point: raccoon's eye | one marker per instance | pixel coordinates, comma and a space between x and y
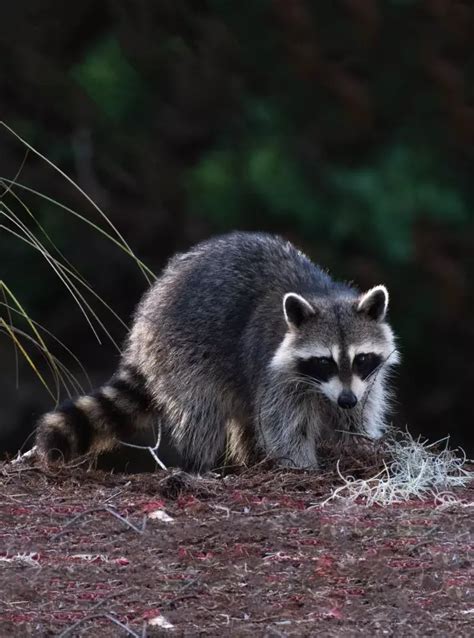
365, 363
319, 368
324, 361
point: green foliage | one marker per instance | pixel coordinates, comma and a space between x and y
374, 205
109, 79
278, 182
379, 204
215, 188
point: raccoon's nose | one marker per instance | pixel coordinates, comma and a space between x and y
347, 400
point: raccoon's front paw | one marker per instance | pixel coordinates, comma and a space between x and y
54, 442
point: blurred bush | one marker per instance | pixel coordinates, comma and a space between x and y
375, 205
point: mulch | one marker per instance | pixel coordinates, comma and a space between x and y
253, 553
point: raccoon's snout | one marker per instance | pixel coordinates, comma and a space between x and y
347, 400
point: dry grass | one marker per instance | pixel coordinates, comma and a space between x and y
31, 340
411, 469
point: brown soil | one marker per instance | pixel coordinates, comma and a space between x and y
245, 555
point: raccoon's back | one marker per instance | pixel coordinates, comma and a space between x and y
202, 304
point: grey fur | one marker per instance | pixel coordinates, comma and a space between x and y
202, 359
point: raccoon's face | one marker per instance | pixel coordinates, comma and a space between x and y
339, 345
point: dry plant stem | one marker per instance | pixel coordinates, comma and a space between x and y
20, 458
12, 211
17, 175
152, 450
84, 194
109, 616
91, 616
101, 508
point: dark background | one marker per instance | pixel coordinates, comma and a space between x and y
346, 126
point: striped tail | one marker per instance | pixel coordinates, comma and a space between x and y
96, 422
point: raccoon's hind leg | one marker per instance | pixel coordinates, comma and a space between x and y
197, 428
95, 422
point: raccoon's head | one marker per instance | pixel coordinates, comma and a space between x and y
341, 344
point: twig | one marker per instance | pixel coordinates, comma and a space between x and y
152, 450
117, 492
120, 624
148, 448
101, 508
23, 457
107, 615
124, 520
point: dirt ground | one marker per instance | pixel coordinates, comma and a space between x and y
88, 553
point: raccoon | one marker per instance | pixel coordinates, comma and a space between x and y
242, 347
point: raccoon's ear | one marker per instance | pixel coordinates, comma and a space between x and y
296, 309
374, 303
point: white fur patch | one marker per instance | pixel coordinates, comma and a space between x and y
358, 386
54, 419
332, 388
374, 421
368, 347
336, 353
111, 393
119, 399
286, 352
90, 407
313, 351
392, 355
